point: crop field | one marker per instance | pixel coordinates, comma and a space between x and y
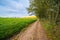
11, 26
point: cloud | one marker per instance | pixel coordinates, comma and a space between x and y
13, 8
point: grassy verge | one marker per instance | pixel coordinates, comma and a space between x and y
11, 26
50, 29
58, 31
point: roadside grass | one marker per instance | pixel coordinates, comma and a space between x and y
58, 30
11, 26
50, 29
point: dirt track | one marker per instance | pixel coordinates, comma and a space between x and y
33, 32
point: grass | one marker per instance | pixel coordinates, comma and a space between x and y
50, 29
53, 30
58, 30
11, 26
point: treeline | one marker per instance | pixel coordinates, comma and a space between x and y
47, 10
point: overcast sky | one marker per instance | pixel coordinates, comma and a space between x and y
13, 8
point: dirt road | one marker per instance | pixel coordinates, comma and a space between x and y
33, 32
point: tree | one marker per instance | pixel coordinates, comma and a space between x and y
47, 9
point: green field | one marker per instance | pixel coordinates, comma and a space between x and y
11, 26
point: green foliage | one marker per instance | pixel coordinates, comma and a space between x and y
11, 26
47, 10
49, 27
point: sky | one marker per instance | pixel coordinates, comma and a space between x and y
13, 8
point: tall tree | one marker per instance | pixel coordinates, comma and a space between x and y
45, 9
